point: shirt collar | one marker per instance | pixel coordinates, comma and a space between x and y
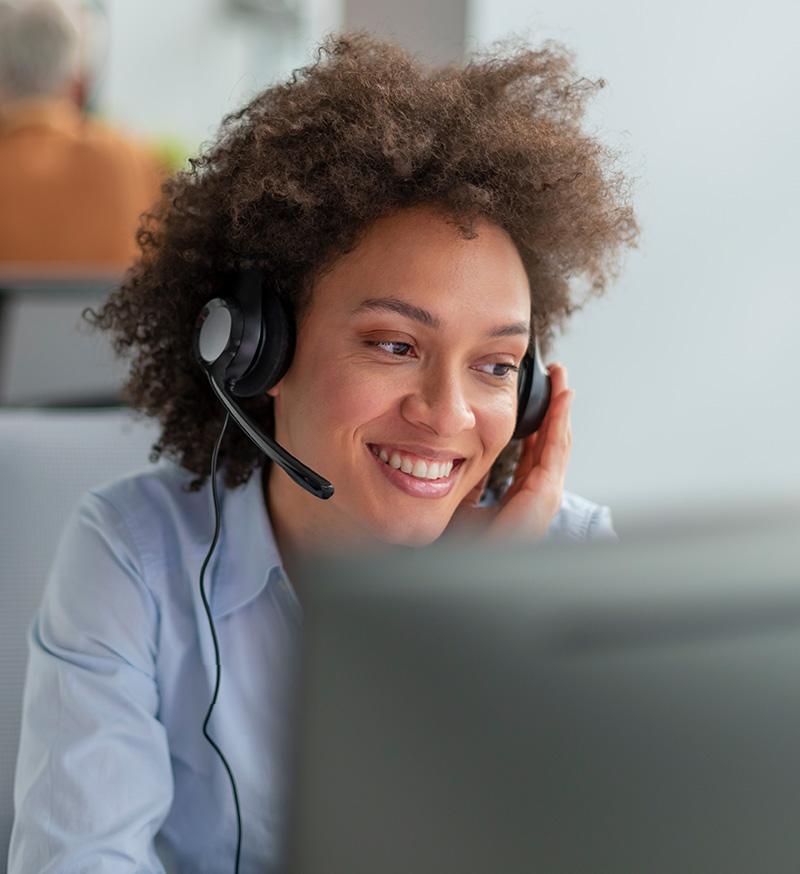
247, 553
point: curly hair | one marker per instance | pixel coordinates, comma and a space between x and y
296, 176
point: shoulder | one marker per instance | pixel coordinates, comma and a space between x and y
99, 135
152, 508
120, 567
169, 529
580, 519
106, 584
113, 156
143, 494
133, 527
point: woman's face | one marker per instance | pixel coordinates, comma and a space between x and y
404, 349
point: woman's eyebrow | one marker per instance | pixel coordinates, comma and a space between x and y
424, 317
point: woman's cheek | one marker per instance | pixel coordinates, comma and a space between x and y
354, 399
496, 421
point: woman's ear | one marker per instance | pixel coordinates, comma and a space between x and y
276, 389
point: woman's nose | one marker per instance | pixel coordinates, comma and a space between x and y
440, 403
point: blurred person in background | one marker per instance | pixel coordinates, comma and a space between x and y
71, 188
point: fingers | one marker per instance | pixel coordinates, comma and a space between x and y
558, 378
539, 475
535, 444
558, 442
558, 385
550, 446
552, 428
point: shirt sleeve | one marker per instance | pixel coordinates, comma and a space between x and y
93, 781
600, 525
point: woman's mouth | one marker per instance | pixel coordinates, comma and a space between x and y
417, 486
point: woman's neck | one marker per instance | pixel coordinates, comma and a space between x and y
302, 523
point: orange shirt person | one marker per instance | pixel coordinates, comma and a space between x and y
71, 188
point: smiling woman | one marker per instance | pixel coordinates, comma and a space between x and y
398, 349
301, 173
412, 232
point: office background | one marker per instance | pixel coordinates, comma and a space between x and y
685, 372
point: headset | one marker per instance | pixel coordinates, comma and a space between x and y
245, 344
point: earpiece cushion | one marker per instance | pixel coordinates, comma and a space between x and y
534, 395
275, 348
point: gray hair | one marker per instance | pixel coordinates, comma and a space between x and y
38, 49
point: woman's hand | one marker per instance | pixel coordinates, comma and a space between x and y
534, 497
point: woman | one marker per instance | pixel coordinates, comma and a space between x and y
420, 226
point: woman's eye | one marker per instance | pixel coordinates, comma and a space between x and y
388, 345
509, 368
501, 372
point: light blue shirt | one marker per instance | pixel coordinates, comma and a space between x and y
114, 774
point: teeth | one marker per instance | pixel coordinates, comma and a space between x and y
420, 469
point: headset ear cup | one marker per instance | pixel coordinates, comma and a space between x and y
533, 395
217, 334
275, 350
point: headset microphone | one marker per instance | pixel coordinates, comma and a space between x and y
302, 475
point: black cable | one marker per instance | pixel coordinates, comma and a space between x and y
216, 644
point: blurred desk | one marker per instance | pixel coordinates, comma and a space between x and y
27, 278
20, 281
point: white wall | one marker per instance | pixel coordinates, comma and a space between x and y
434, 31
686, 373
176, 68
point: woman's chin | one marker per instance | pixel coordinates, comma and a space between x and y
415, 534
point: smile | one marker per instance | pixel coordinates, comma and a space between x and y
417, 486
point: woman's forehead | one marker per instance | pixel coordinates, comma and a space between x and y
432, 306
417, 259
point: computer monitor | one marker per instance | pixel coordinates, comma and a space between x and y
629, 708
